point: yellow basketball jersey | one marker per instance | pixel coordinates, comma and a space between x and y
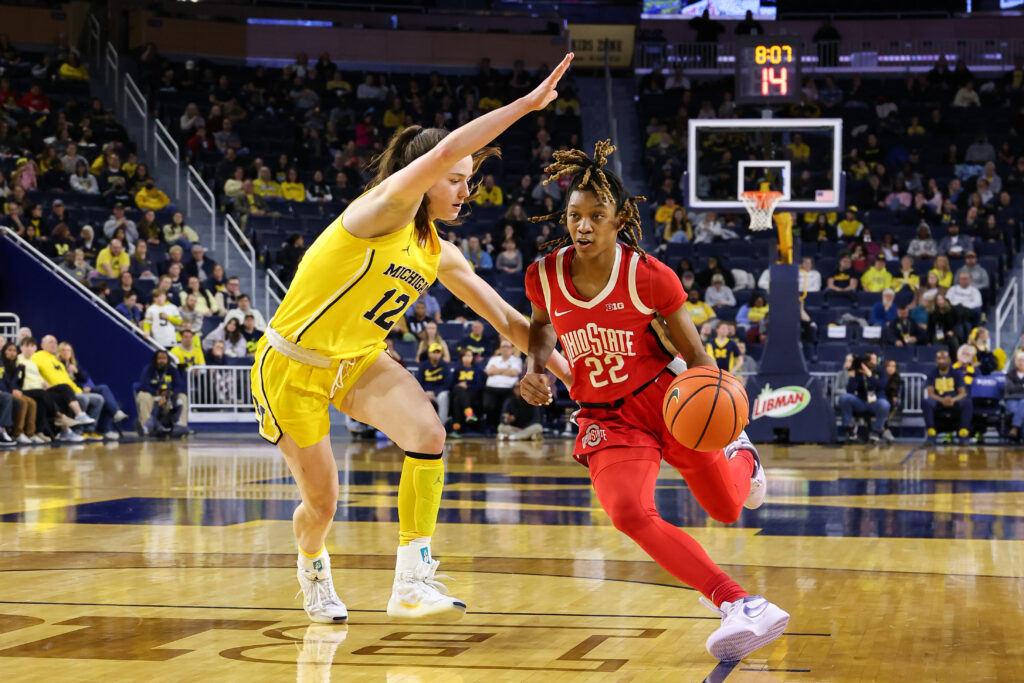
348, 292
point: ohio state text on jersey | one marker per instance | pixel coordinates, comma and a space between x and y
607, 340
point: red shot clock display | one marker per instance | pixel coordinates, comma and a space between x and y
767, 70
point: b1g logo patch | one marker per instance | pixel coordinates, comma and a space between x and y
593, 435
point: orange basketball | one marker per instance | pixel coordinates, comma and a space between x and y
705, 408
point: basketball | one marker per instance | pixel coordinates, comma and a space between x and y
705, 408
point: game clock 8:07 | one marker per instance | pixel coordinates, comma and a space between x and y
767, 71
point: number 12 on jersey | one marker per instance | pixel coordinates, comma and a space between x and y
386, 319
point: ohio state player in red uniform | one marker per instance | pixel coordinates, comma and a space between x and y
599, 297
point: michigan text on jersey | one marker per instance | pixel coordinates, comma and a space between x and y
407, 275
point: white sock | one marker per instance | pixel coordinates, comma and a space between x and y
417, 552
320, 563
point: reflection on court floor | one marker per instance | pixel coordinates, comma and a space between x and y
174, 560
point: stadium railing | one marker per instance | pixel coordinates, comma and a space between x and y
134, 104
97, 301
613, 123
1008, 308
196, 186
10, 323
273, 290
236, 238
911, 390
164, 152
219, 393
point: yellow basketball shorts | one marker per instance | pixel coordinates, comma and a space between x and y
293, 398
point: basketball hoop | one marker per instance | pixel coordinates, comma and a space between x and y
760, 205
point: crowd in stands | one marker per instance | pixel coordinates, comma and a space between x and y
909, 268
72, 186
287, 149
46, 395
911, 264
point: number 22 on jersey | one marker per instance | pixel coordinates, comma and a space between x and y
613, 363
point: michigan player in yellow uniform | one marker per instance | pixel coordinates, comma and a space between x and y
324, 347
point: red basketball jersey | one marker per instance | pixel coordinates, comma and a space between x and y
607, 340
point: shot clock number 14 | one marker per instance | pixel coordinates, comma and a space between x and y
767, 71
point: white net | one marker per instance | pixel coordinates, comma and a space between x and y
761, 206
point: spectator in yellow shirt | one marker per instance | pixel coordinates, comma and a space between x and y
567, 104
489, 101
876, 278
149, 197
660, 137
942, 271
73, 69
113, 259
699, 310
265, 185
188, 353
489, 194
292, 188
849, 227
799, 149
55, 373
394, 116
50, 367
907, 276
915, 127
663, 214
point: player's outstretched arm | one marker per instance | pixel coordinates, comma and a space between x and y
535, 388
393, 203
686, 339
456, 274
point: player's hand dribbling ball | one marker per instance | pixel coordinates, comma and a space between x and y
705, 408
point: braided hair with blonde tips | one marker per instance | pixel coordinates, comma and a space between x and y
588, 174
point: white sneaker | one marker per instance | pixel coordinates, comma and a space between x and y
416, 594
39, 438
747, 624
83, 419
888, 435
112, 436
71, 436
758, 480
120, 415
320, 601
23, 440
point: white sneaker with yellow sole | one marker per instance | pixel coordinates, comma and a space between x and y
416, 593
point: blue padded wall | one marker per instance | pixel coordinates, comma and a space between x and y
49, 305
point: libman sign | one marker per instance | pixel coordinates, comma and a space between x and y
781, 402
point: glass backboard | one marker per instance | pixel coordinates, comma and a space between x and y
799, 157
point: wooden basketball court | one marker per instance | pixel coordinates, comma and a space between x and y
175, 561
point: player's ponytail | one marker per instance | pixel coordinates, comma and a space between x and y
407, 146
589, 174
